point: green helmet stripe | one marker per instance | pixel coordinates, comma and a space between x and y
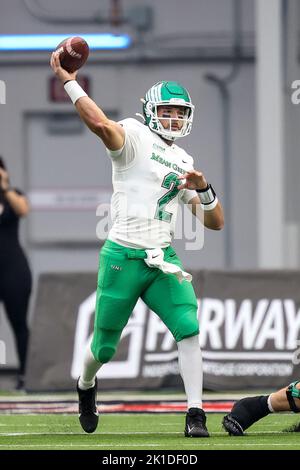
154, 94
159, 91
148, 96
155, 90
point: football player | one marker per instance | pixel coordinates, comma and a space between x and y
151, 175
247, 411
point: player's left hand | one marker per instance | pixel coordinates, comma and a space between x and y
193, 180
4, 180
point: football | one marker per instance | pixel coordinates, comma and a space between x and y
73, 53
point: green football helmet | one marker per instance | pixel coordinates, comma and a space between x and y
168, 94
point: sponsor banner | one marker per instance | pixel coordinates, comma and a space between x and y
249, 323
250, 328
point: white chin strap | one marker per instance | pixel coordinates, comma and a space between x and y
168, 137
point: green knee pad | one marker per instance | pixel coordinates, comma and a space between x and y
187, 325
104, 344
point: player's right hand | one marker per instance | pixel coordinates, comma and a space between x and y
61, 73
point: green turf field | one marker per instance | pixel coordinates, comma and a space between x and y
148, 432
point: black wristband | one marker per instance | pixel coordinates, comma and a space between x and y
204, 189
207, 195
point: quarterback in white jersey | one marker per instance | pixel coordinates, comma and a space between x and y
151, 174
145, 199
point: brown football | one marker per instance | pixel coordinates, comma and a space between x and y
73, 53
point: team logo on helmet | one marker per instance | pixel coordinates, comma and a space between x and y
168, 94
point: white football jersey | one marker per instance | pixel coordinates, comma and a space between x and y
145, 200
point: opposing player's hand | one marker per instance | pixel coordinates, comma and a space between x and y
4, 180
61, 73
193, 180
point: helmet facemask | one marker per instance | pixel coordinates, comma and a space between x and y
168, 133
176, 96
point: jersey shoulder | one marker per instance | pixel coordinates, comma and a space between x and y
132, 124
184, 155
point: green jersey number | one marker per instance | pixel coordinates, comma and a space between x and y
170, 182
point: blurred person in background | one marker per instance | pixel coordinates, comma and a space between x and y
15, 275
152, 175
248, 411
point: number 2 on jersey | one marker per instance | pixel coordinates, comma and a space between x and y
170, 182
